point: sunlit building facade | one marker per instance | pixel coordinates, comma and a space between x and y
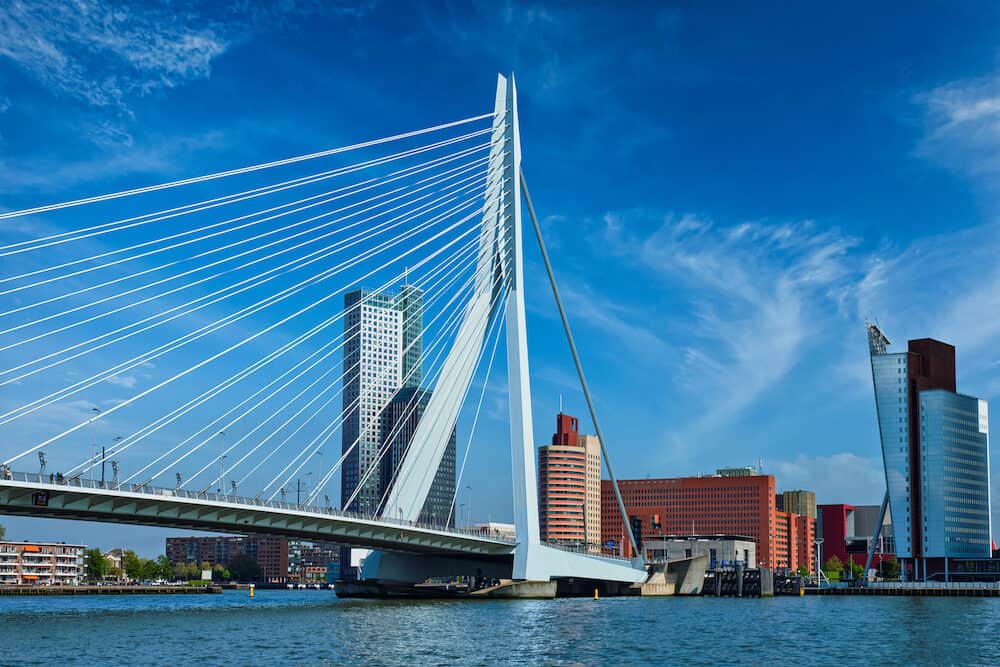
935, 449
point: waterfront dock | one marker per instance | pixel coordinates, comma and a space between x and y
962, 589
108, 590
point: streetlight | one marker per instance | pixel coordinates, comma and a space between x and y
222, 460
93, 447
104, 456
819, 561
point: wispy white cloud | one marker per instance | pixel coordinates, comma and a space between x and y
103, 54
756, 293
963, 125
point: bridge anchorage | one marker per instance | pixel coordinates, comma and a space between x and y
212, 345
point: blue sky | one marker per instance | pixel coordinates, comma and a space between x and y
727, 191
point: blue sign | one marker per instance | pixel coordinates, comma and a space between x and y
610, 544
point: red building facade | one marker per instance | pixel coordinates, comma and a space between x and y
742, 505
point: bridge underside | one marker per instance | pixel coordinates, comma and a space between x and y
107, 506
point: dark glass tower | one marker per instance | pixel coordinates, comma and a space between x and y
398, 424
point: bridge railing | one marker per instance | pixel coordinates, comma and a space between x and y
164, 492
583, 549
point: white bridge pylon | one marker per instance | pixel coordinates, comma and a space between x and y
500, 267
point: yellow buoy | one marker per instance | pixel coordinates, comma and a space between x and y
596, 597
251, 590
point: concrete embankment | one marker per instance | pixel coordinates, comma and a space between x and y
107, 590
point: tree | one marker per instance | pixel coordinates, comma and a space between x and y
833, 567
165, 569
244, 568
192, 571
132, 564
803, 570
96, 564
857, 570
149, 569
890, 568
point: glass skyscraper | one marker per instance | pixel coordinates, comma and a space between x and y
935, 448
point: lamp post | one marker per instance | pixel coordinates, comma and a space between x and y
222, 460
819, 561
93, 447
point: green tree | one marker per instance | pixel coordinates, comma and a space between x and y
803, 570
132, 564
148, 569
833, 567
165, 569
857, 569
192, 571
244, 568
890, 568
96, 565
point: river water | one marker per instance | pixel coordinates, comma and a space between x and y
315, 628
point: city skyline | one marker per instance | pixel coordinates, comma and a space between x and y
704, 250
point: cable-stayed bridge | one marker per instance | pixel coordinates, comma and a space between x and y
336, 325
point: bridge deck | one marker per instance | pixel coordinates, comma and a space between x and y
28, 494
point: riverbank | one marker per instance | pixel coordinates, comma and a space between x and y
7, 591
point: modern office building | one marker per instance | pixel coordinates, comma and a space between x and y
569, 473
270, 553
935, 449
399, 422
41, 563
742, 504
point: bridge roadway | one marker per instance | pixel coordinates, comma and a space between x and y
31, 494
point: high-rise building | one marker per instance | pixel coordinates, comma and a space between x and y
382, 347
569, 473
399, 422
741, 504
935, 449
592, 516
798, 502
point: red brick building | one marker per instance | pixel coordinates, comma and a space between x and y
735, 505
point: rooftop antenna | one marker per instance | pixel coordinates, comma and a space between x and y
560, 403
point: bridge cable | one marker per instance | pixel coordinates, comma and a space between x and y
234, 172
579, 367
231, 423
315, 200
237, 345
449, 326
131, 304
245, 312
255, 281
